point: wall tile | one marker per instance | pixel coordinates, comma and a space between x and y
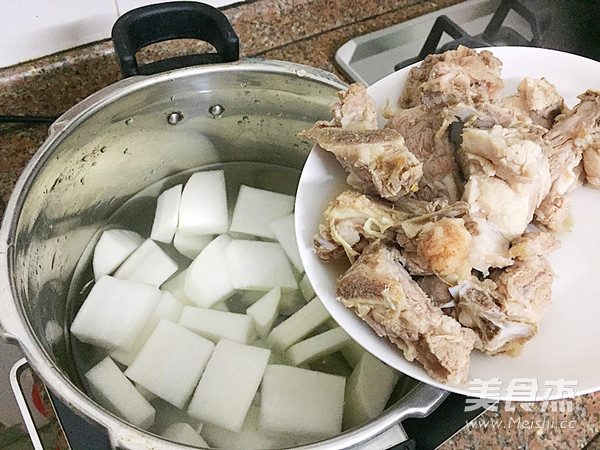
30, 29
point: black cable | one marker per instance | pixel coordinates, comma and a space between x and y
27, 119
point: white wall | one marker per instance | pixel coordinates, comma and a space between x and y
30, 29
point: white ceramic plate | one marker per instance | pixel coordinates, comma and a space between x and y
567, 344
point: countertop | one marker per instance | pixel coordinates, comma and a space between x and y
303, 31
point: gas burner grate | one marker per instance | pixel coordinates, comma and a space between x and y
495, 33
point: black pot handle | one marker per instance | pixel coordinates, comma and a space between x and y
160, 22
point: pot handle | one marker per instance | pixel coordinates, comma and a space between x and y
160, 22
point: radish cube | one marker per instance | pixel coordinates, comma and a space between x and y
264, 311
298, 325
215, 325
147, 264
191, 245
114, 312
307, 290
251, 436
248, 298
145, 392
229, 383
302, 402
220, 306
366, 399
166, 216
113, 247
203, 208
207, 280
317, 346
259, 266
171, 362
285, 233
183, 433
291, 302
168, 308
116, 393
353, 352
255, 209
175, 287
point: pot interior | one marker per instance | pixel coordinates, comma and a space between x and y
132, 141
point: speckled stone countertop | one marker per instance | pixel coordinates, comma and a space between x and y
303, 31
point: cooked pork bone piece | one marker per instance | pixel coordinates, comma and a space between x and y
382, 293
574, 136
377, 160
588, 136
356, 109
460, 75
505, 309
508, 176
352, 221
419, 127
434, 238
531, 244
537, 99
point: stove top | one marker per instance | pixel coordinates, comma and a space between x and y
567, 25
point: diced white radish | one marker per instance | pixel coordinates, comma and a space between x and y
145, 392
352, 352
264, 311
255, 209
171, 362
166, 216
220, 306
191, 245
207, 279
317, 346
307, 290
249, 297
302, 402
228, 385
291, 302
147, 264
285, 232
175, 285
215, 325
298, 325
365, 398
113, 247
203, 208
259, 266
168, 308
116, 393
183, 433
249, 437
114, 312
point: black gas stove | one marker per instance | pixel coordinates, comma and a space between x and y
566, 25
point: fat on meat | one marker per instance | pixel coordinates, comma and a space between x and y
507, 178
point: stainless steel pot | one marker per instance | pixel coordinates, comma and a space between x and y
117, 142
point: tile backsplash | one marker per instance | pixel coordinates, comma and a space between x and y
31, 29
